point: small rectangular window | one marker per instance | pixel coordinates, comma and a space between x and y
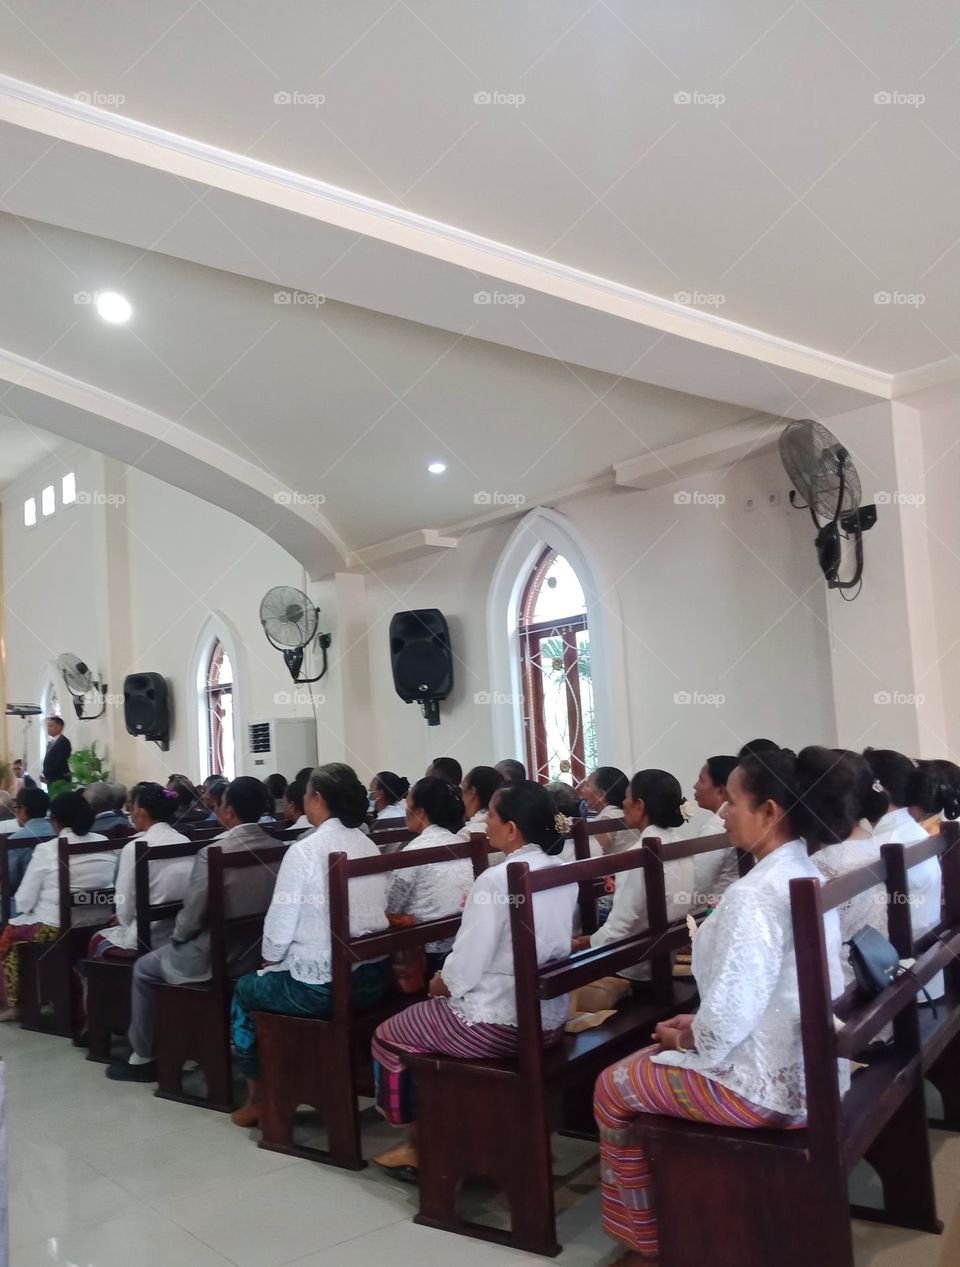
30, 512
48, 500
68, 489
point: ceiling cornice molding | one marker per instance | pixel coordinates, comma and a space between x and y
119, 428
52, 114
711, 451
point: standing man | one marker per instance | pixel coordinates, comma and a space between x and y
56, 762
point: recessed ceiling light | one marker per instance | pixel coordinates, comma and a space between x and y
437, 468
113, 307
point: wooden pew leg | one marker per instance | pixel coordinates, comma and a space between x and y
901, 1157
304, 1061
802, 1219
945, 1076
503, 1144
192, 1026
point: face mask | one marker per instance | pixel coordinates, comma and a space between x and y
370, 801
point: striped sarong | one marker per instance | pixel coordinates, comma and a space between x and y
637, 1085
13, 936
433, 1026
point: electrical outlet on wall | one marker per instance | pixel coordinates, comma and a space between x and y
774, 499
749, 503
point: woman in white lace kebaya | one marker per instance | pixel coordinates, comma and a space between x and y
739, 1060
297, 971
859, 850
472, 1011
907, 783
434, 815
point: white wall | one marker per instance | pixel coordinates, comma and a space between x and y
714, 600
710, 602
128, 582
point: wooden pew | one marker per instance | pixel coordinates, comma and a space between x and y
193, 1021
690, 847
326, 1063
939, 1026
391, 839
109, 979
47, 969
759, 1197
490, 1119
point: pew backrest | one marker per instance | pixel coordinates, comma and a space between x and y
824, 1041
224, 881
144, 857
348, 950
535, 983
97, 900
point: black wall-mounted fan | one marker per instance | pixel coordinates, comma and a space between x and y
822, 472
80, 682
291, 622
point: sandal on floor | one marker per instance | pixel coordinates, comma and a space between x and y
400, 1162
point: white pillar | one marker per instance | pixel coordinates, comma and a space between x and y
886, 678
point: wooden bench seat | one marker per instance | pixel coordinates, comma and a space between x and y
781, 1196
193, 1021
50, 989
504, 1109
326, 1063
940, 1025
108, 979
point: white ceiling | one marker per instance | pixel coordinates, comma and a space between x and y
730, 248
797, 199
333, 401
21, 447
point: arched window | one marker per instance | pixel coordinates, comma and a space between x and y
217, 709
555, 666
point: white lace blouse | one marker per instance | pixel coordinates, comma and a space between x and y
926, 881
747, 1031
479, 970
296, 931
434, 891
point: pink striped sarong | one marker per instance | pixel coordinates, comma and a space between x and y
433, 1026
637, 1085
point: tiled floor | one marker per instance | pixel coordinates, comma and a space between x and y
105, 1175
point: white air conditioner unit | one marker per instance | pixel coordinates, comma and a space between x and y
282, 746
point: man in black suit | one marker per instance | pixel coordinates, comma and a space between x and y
56, 760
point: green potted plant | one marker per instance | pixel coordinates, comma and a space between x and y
86, 766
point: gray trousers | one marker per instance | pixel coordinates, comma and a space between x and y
147, 972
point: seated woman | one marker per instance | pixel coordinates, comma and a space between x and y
298, 969
904, 783
293, 815
191, 811
478, 786
714, 872
153, 809
652, 807
38, 897
388, 799
604, 792
943, 802
739, 1060
472, 1011
434, 815
860, 849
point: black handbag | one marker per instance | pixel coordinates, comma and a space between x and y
876, 964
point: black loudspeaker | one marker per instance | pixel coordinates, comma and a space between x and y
422, 660
145, 708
